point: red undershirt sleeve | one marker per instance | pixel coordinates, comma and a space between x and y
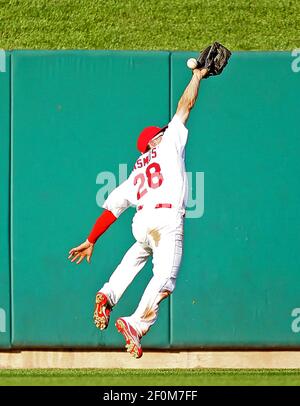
103, 222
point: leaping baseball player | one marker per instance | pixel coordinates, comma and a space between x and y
157, 187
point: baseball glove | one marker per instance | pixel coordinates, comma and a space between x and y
214, 58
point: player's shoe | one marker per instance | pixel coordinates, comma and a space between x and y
102, 311
132, 338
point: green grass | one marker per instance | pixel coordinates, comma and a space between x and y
158, 377
151, 24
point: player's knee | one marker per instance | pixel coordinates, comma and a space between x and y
167, 284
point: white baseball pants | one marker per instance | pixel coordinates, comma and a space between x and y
158, 232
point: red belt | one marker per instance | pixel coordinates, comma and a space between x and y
158, 206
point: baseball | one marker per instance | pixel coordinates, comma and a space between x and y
192, 63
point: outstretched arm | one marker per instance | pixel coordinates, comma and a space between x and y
114, 206
189, 97
85, 249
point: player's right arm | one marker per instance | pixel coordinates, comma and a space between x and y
189, 96
177, 133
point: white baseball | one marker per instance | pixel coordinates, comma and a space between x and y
192, 63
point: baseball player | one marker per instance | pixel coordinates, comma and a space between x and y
157, 187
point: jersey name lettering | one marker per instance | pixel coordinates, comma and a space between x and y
146, 159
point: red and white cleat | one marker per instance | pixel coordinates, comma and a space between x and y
132, 338
102, 311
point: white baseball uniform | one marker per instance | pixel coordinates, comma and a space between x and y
157, 187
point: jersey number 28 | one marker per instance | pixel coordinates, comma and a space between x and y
154, 179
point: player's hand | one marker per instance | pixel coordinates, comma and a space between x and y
200, 72
84, 250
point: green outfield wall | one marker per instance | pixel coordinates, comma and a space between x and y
240, 281
69, 123
5, 104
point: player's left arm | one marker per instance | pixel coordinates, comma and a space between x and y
85, 250
189, 96
116, 203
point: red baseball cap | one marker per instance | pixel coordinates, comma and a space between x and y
146, 135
